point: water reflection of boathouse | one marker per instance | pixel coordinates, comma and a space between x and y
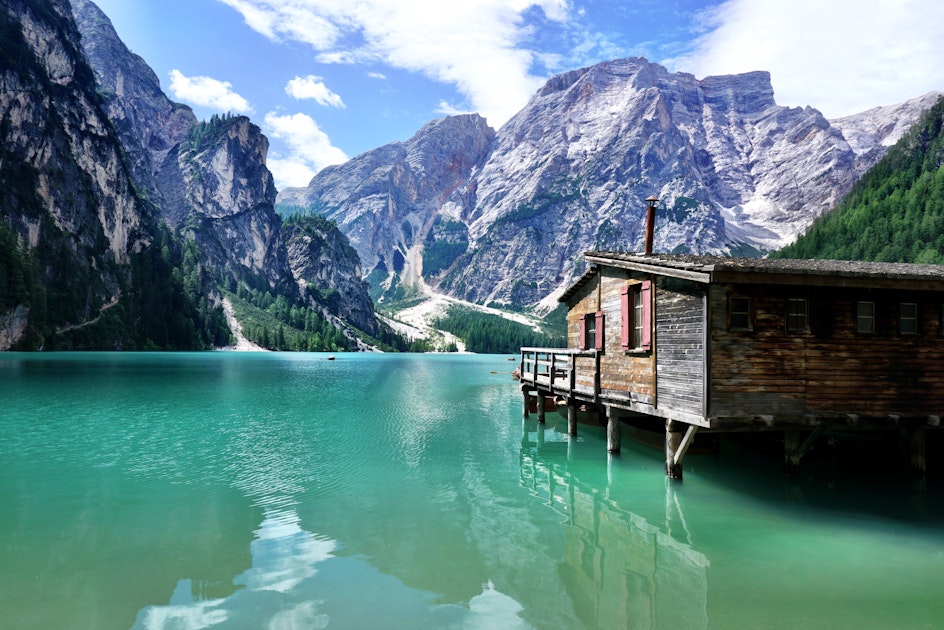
619, 567
682, 344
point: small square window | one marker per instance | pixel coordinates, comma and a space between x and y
908, 318
797, 315
739, 313
865, 317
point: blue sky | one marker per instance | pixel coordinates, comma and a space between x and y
329, 79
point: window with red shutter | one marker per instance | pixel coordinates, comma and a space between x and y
645, 341
636, 311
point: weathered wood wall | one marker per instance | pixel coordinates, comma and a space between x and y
830, 368
621, 372
680, 322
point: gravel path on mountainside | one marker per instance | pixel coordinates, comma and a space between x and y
242, 344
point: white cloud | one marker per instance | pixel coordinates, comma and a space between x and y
309, 149
293, 20
376, 75
841, 56
490, 64
449, 109
208, 92
314, 88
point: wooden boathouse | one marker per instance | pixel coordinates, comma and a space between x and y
711, 344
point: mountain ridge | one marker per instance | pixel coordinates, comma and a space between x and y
736, 174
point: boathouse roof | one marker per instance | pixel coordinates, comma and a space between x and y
711, 269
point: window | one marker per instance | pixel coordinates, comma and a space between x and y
797, 315
739, 312
637, 316
908, 318
865, 317
591, 331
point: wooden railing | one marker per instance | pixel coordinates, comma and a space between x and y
557, 370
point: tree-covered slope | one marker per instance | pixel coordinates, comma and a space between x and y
895, 213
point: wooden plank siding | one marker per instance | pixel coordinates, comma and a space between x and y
829, 368
680, 322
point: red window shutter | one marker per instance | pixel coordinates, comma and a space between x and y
626, 321
599, 330
582, 333
647, 315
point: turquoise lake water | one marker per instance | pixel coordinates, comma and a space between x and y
279, 491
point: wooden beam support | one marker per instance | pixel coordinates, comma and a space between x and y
525, 407
794, 450
540, 398
686, 442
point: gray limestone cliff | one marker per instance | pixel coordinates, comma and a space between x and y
217, 189
65, 192
328, 271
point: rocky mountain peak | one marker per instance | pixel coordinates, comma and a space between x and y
150, 125
746, 94
387, 199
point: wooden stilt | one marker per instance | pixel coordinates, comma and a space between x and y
791, 450
674, 432
918, 451
540, 399
571, 416
612, 430
525, 411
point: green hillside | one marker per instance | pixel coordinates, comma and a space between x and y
895, 213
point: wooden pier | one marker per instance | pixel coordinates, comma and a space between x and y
711, 345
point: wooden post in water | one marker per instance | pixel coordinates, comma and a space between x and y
525, 412
918, 450
571, 417
612, 430
540, 398
674, 432
791, 451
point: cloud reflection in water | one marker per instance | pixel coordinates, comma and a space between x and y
297, 581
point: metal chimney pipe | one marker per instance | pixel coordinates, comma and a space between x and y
651, 204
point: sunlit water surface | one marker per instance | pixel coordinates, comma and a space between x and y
404, 491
